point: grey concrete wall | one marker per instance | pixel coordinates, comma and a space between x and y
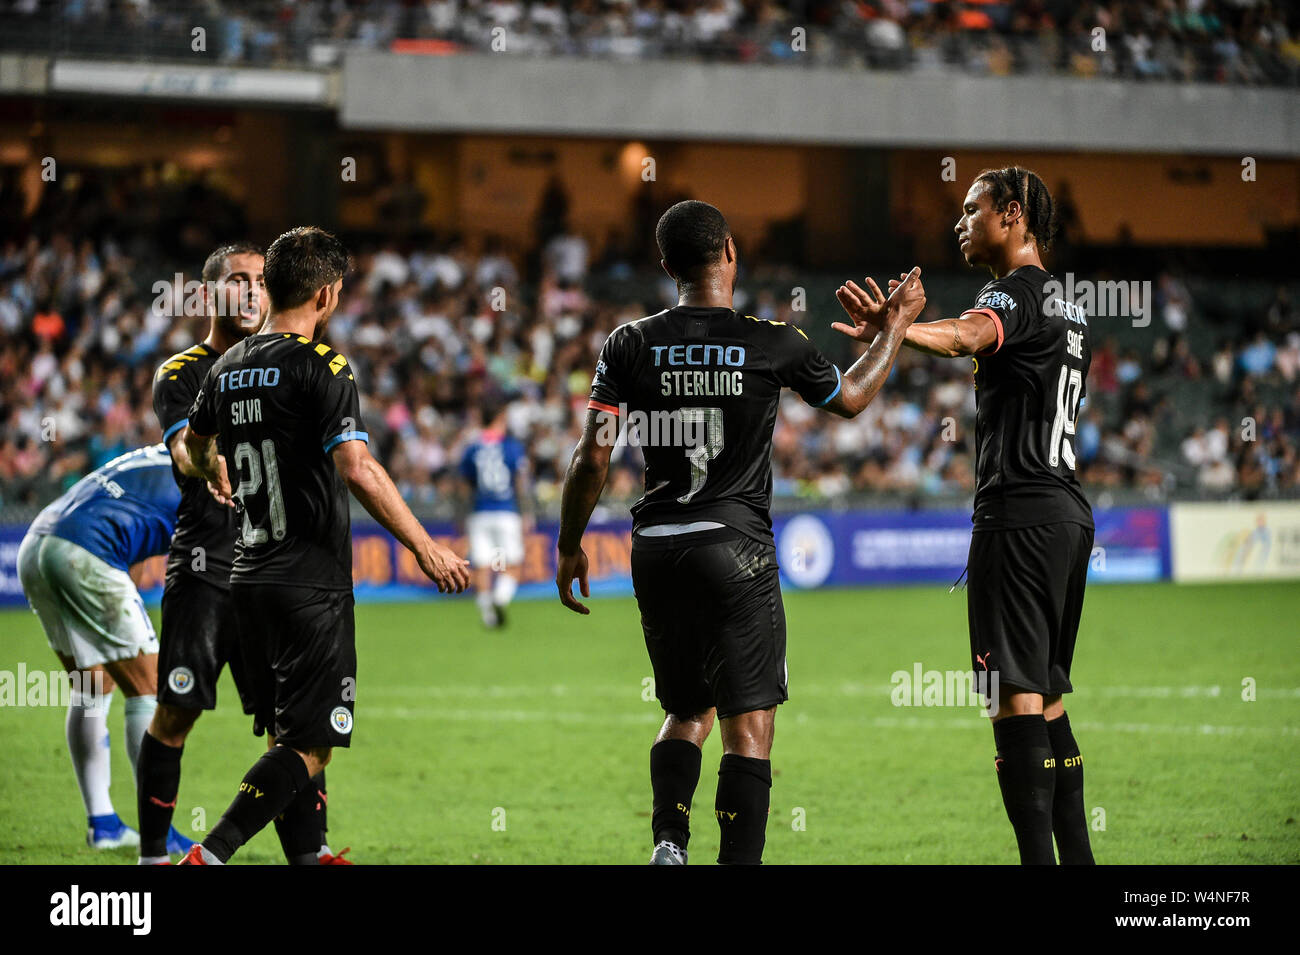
504, 93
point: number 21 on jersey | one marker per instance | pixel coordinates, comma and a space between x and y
259, 464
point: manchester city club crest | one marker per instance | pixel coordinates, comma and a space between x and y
181, 680
341, 720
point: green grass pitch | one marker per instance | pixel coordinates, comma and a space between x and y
530, 745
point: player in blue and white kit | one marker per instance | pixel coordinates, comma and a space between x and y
74, 564
495, 465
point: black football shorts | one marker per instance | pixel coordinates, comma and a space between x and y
199, 638
713, 621
1024, 599
300, 647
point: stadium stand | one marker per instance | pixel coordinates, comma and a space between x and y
1209, 405
1214, 41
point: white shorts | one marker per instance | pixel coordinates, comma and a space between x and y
496, 539
89, 609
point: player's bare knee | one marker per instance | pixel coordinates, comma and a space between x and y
172, 724
694, 728
1016, 701
137, 676
749, 734
316, 758
92, 681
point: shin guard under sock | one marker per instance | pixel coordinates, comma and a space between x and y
744, 791
674, 774
267, 789
1069, 818
157, 780
1027, 777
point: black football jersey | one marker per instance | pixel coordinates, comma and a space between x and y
204, 541
699, 388
280, 404
1028, 388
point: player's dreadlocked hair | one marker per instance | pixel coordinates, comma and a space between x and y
691, 235
300, 262
216, 262
1024, 186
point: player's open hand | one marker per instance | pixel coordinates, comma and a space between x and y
872, 312
444, 567
568, 568
866, 307
906, 298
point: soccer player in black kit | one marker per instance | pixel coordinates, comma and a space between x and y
199, 636
703, 561
1033, 528
198, 628
286, 408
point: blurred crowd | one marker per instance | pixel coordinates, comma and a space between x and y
435, 327
1225, 41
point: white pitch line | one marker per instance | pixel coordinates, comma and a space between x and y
1136, 692
654, 716
649, 718
477, 691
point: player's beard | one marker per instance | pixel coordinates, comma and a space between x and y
232, 326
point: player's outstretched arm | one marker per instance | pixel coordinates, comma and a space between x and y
885, 323
582, 486
968, 334
370, 483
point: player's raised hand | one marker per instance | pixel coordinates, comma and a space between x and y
866, 307
906, 299
569, 568
444, 567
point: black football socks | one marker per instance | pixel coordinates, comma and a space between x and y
744, 791
267, 790
674, 774
158, 779
299, 827
1069, 819
1027, 778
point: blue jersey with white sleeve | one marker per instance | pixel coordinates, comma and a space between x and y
491, 464
122, 512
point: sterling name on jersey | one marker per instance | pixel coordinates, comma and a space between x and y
202, 526
280, 404
1028, 387
121, 512
701, 385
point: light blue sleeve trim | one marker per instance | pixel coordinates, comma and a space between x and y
335, 441
838, 382
167, 435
